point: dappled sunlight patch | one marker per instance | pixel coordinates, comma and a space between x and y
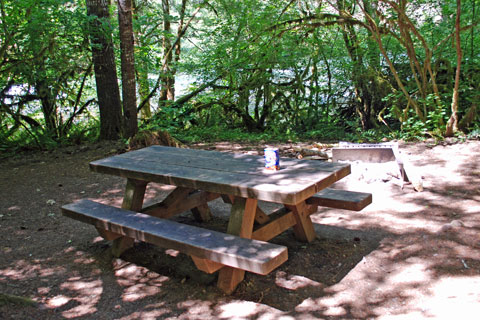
69, 249
48, 272
24, 270
386, 204
197, 308
106, 198
412, 271
86, 294
312, 305
443, 298
463, 251
112, 191
451, 297
373, 288
407, 278
154, 191
472, 207
138, 282
97, 239
147, 315
294, 282
57, 301
391, 222
82, 258
139, 291
172, 252
248, 310
44, 290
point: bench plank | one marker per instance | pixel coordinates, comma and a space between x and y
246, 254
341, 199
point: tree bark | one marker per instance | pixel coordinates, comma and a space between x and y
177, 40
452, 124
129, 92
167, 91
142, 67
377, 36
359, 73
105, 71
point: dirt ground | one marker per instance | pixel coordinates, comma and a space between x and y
409, 255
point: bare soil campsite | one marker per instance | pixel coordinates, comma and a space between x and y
408, 255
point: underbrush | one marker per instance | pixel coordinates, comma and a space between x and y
328, 133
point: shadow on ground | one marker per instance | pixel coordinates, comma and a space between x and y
409, 255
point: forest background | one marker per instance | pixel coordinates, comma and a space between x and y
73, 71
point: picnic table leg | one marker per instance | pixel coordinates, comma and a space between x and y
132, 200
260, 216
303, 230
241, 224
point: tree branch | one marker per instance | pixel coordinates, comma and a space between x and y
165, 60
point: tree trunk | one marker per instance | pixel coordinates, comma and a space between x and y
167, 91
129, 92
142, 67
360, 75
452, 124
144, 90
105, 71
164, 62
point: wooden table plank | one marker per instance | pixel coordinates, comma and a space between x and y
236, 163
288, 186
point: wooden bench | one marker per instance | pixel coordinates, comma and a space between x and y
229, 250
341, 199
283, 219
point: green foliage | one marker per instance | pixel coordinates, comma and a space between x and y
474, 134
215, 134
283, 70
44, 66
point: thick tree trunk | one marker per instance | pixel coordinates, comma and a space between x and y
129, 92
105, 71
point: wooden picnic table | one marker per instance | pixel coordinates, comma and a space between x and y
201, 176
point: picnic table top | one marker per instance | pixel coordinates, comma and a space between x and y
234, 174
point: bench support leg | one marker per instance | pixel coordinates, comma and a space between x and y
202, 213
229, 278
240, 223
107, 235
206, 265
303, 230
132, 200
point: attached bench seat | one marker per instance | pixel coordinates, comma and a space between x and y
246, 254
341, 199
